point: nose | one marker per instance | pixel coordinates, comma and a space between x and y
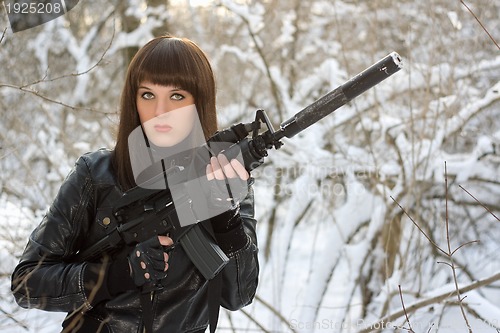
163, 106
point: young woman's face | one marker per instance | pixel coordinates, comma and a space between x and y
167, 113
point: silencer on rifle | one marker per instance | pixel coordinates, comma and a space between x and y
341, 95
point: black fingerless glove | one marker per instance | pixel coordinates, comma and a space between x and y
147, 262
229, 231
226, 221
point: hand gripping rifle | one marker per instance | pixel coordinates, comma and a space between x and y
142, 213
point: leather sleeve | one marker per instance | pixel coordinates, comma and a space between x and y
240, 276
45, 278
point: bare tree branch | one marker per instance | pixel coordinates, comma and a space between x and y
481, 24
3, 35
484, 206
433, 300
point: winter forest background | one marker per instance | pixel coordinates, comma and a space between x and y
383, 215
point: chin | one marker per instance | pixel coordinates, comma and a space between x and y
163, 142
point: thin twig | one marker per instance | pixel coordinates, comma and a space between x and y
51, 100
479, 202
3, 35
450, 253
252, 319
274, 311
465, 244
98, 63
10, 316
28, 88
404, 310
446, 209
419, 228
481, 24
433, 300
253, 35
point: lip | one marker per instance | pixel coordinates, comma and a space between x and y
163, 128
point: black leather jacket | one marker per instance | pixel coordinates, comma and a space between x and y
47, 278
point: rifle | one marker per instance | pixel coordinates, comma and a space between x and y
142, 213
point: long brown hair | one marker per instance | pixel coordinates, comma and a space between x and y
165, 60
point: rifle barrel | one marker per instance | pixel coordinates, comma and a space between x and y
336, 98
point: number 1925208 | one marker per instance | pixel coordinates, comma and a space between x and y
34, 8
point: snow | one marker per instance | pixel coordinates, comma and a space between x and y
12, 232
334, 246
455, 21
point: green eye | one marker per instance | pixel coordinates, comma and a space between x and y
177, 97
147, 95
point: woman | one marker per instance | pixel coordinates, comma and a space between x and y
169, 88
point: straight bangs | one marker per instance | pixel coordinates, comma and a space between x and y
169, 63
